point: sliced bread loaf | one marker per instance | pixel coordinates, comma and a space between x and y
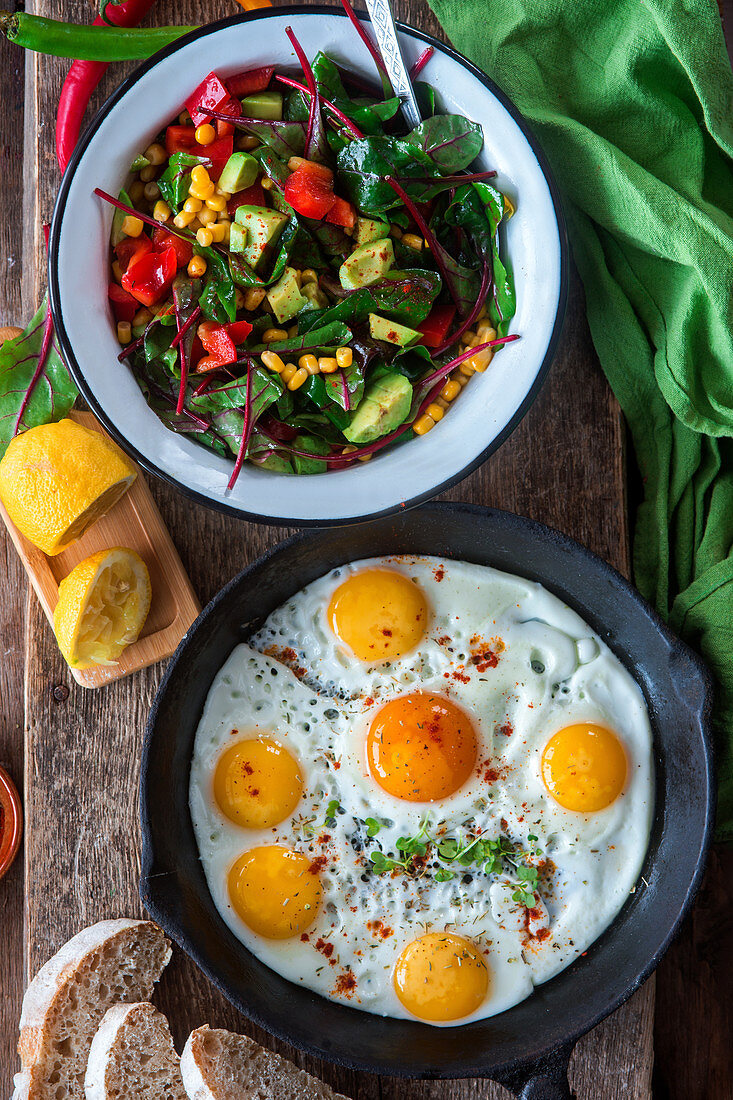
133, 1057
115, 960
217, 1065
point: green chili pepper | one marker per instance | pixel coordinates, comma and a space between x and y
86, 43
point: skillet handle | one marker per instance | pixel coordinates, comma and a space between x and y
546, 1079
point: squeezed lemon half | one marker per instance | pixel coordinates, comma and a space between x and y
56, 480
103, 605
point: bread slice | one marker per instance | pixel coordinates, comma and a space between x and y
115, 960
133, 1057
217, 1065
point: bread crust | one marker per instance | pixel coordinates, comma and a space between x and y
99, 1082
43, 999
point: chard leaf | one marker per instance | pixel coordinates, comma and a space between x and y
324, 338
217, 298
364, 163
405, 296
346, 386
478, 209
284, 139
452, 142
53, 394
310, 465
176, 180
367, 113
224, 405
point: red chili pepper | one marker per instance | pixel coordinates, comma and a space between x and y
162, 239
251, 196
435, 326
217, 342
253, 80
239, 331
342, 213
309, 192
207, 97
124, 306
150, 278
132, 249
83, 77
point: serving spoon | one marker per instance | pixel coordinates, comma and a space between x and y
380, 13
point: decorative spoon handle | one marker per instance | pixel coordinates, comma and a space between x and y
382, 19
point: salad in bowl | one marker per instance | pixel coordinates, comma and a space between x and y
299, 282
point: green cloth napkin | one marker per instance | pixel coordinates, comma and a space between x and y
632, 102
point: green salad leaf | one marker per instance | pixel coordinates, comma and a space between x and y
176, 179
452, 142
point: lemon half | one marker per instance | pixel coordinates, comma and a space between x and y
103, 605
56, 480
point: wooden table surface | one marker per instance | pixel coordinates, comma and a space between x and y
76, 752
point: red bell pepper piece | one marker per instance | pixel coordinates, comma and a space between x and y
162, 239
132, 249
217, 342
435, 327
252, 80
207, 363
251, 196
310, 192
342, 213
239, 331
149, 279
182, 139
124, 306
206, 98
228, 107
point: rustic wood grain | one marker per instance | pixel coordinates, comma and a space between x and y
563, 465
136, 524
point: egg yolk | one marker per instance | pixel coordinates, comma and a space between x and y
275, 891
441, 976
257, 783
584, 767
379, 614
421, 747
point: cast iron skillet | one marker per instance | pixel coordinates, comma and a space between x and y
528, 1047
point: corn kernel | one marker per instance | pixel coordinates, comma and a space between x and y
509, 208
148, 173
301, 375
142, 317
254, 297
461, 379
192, 206
485, 332
267, 184
124, 332
205, 133
423, 424
248, 143
273, 362
435, 411
308, 275
270, 335
161, 211
204, 236
411, 240
184, 119
226, 195
200, 175
344, 357
327, 365
156, 153
441, 403
217, 203
206, 216
481, 360
136, 192
395, 231
131, 226
450, 390
117, 272
289, 372
484, 311
183, 219
151, 191
467, 368
217, 230
201, 191
310, 363
197, 267
293, 331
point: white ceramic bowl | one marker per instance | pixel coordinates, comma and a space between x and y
78, 276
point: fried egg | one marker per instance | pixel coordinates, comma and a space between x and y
423, 788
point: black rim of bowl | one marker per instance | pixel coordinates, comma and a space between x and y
616, 996
146, 462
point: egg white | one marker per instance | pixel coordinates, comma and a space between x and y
547, 669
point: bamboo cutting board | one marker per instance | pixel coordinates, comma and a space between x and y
135, 523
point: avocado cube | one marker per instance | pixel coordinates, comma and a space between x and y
237, 238
369, 229
263, 227
384, 406
367, 264
240, 171
389, 331
285, 298
266, 105
316, 298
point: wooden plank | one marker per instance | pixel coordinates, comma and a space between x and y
136, 524
83, 748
